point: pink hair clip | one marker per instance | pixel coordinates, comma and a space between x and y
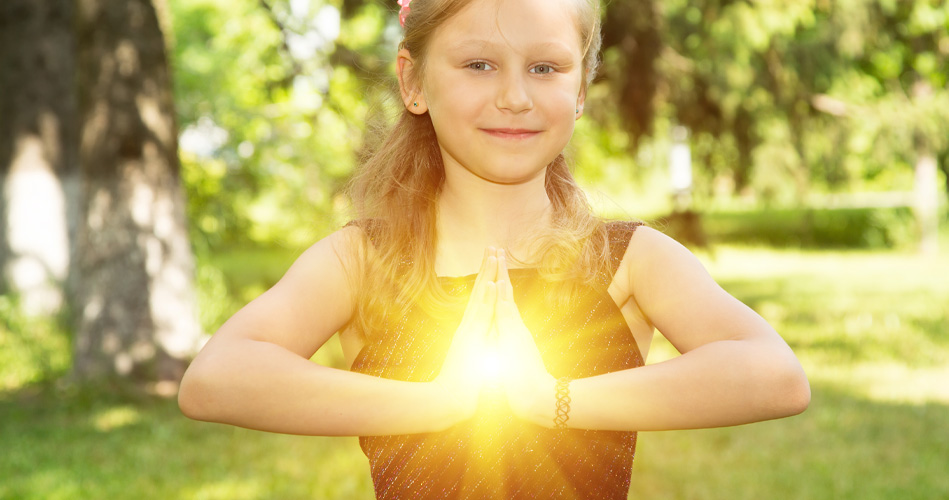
404, 11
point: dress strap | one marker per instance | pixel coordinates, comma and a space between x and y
372, 228
619, 233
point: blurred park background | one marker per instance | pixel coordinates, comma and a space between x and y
162, 162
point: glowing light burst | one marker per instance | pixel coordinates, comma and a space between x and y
489, 365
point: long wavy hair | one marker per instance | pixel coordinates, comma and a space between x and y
395, 190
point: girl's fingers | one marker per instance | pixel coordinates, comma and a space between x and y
505, 295
490, 295
484, 292
488, 284
488, 253
502, 265
480, 310
505, 291
508, 292
504, 309
491, 271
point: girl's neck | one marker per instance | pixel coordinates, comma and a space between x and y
474, 213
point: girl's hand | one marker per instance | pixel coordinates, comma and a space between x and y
528, 386
460, 378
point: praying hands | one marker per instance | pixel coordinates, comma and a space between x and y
492, 346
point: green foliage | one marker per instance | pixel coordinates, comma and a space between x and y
233, 277
32, 349
281, 125
807, 94
814, 228
782, 98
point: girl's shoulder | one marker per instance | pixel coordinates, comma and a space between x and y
654, 263
643, 246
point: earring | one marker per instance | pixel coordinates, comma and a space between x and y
415, 104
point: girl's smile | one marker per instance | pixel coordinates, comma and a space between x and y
511, 134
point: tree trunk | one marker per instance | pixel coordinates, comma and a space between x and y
38, 141
943, 164
633, 26
927, 202
136, 314
745, 140
926, 184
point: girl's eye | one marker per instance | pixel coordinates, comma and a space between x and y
543, 69
479, 66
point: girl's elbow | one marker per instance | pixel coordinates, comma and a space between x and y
796, 396
193, 396
803, 399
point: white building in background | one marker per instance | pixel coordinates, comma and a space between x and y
680, 168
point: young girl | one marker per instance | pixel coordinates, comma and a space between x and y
495, 329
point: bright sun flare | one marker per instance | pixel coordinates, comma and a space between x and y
489, 364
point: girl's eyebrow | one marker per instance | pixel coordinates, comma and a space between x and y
559, 47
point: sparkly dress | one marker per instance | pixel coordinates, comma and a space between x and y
494, 455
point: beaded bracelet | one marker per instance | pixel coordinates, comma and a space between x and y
563, 403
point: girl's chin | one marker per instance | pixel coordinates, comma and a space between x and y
511, 176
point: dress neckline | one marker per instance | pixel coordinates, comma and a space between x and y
511, 272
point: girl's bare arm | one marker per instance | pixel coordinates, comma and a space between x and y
734, 367
255, 371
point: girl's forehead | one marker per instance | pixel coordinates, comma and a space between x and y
522, 25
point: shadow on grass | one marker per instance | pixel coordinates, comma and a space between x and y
107, 444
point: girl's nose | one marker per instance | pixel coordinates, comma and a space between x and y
514, 94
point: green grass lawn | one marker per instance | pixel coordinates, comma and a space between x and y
871, 328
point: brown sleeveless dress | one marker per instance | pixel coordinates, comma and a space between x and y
495, 455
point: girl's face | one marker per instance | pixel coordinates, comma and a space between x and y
502, 86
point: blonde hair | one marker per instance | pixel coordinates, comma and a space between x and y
395, 190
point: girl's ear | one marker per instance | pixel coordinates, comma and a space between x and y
408, 86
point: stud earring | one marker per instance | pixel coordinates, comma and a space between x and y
415, 104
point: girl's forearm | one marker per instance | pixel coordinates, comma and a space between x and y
719, 384
259, 385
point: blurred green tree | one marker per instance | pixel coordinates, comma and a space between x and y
275, 101
785, 98
292, 90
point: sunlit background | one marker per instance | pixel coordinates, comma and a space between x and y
798, 147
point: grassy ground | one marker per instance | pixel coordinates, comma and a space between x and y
872, 330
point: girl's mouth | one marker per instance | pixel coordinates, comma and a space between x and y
511, 133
